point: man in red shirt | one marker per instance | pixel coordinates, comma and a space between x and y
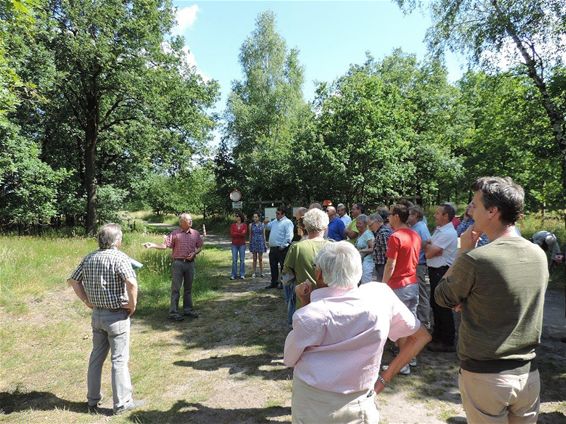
400, 272
186, 243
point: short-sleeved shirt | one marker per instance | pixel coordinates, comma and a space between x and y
336, 229
446, 238
422, 230
183, 243
280, 232
380, 244
300, 259
103, 274
337, 340
362, 243
403, 246
352, 227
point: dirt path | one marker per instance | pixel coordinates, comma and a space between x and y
233, 369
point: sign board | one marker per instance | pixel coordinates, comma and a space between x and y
270, 213
237, 205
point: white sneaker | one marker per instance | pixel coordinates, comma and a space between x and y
253, 275
406, 370
413, 362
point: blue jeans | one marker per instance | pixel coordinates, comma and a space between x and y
241, 251
291, 300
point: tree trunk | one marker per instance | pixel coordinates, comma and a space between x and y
90, 163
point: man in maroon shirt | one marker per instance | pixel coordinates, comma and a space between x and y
186, 243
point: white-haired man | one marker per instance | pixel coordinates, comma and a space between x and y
338, 337
299, 262
186, 244
106, 282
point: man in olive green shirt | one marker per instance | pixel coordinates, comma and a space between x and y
499, 288
299, 262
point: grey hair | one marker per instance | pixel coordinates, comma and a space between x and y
340, 264
109, 236
375, 217
362, 218
315, 220
185, 217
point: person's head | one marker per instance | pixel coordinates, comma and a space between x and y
398, 215
357, 210
362, 223
280, 212
109, 236
444, 214
331, 211
300, 212
185, 221
315, 205
415, 215
256, 216
339, 265
239, 217
375, 221
384, 212
315, 220
496, 199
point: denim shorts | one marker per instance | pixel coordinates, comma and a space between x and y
409, 295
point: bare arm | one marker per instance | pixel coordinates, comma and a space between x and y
432, 250
80, 291
151, 245
389, 268
132, 290
413, 345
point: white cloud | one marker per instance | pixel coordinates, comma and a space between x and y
185, 17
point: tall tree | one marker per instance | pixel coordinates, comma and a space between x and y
529, 32
263, 111
119, 77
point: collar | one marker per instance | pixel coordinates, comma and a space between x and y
326, 292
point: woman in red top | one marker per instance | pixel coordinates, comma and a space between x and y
238, 231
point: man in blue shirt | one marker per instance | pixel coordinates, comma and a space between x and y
280, 237
417, 224
336, 226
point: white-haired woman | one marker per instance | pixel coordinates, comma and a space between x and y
338, 337
364, 243
299, 262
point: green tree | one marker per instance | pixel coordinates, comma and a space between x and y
263, 112
119, 77
530, 33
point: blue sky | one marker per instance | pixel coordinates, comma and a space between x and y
330, 35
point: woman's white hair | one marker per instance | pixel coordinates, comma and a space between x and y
109, 236
315, 220
341, 265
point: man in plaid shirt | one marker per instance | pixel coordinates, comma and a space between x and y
106, 282
186, 243
382, 232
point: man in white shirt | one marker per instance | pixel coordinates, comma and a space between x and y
440, 252
343, 214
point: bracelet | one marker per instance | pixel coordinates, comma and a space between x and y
381, 380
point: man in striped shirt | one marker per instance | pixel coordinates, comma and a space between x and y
186, 243
106, 282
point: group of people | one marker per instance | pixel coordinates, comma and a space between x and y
358, 282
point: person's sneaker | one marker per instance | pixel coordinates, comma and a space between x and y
406, 370
94, 409
174, 316
413, 362
261, 275
191, 314
242, 277
134, 404
253, 275
232, 277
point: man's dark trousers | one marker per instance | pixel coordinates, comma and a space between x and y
276, 260
443, 317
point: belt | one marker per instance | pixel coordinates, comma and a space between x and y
183, 259
440, 267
